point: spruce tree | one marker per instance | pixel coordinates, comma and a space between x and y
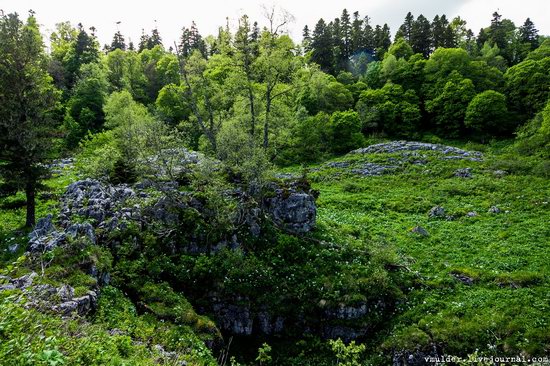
321, 44
27, 100
528, 34
357, 39
306, 39
405, 30
421, 36
345, 29
118, 42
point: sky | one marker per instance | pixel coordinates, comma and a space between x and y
171, 16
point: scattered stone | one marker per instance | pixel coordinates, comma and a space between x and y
437, 211
494, 210
346, 312
338, 164
286, 176
65, 292
463, 278
43, 227
79, 305
471, 214
372, 169
269, 324
420, 231
24, 281
500, 173
12, 248
116, 332
464, 173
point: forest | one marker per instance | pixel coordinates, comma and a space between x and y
361, 197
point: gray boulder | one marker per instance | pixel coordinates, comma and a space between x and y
436, 212
464, 173
293, 210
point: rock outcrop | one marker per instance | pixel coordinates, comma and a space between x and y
292, 209
450, 152
45, 297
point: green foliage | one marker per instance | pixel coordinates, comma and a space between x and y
534, 137
324, 94
389, 109
172, 105
487, 114
527, 87
400, 49
345, 131
347, 355
264, 357
449, 107
85, 107
98, 155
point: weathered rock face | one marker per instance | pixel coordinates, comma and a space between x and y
109, 208
293, 210
101, 205
98, 202
234, 317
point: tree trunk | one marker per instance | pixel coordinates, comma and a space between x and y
266, 124
252, 111
267, 112
30, 192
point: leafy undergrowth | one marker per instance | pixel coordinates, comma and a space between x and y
116, 333
484, 275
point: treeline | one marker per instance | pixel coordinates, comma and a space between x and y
349, 43
252, 97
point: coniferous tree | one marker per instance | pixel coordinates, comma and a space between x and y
306, 39
382, 39
27, 100
405, 30
528, 34
143, 41
369, 40
498, 33
154, 40
345, 29
449, 39
421, 36
191, 40
357, 39
255, 39
118, 42
440, 26
321, 45
338, 47
482, 37
84, 50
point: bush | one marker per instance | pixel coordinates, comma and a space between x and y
345, 129
487, 114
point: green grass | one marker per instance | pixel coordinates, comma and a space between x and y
506, 309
